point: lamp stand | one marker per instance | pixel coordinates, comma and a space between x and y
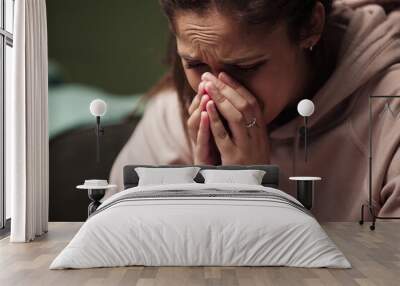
99, 131
305, 138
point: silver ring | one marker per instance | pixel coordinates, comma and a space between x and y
251, 123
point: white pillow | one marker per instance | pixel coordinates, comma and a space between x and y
162, 176
248, 177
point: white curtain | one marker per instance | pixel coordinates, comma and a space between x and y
26, 124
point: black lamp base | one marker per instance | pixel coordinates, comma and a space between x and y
95, 195
305, 193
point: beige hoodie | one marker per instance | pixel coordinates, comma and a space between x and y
368, 64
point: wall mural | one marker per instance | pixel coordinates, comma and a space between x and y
204, 89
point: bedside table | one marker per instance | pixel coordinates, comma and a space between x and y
305, 190
96, 190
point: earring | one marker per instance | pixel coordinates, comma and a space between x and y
311, 48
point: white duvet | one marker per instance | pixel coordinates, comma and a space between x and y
188, 231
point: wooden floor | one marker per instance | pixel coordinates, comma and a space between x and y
375, 257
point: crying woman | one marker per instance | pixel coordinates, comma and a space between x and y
239, 70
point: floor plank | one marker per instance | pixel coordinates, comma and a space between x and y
375, 257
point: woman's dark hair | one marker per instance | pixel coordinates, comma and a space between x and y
248, 13
296, 13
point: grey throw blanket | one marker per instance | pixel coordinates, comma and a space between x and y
205, 194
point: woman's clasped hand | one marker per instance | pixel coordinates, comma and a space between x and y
243, 140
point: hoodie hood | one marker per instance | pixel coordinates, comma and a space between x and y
370, 44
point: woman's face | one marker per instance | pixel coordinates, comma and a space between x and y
271, 66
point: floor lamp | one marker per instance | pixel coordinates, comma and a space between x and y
305, 184
96, 188
369, 205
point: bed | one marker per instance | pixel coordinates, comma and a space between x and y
201, 224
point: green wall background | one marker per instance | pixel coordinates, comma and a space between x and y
116, 45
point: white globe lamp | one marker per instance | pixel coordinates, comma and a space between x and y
98, 107
306, 108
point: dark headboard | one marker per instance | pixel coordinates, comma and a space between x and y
271, 177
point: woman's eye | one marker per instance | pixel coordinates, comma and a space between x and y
233, 68
250, 68
189, 65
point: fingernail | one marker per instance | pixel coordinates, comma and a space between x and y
210, 88
212, 106
204, 114
206, 75
204, 99
202, 84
